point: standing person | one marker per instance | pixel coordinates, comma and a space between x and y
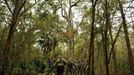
48, 67
71, 67
60, 66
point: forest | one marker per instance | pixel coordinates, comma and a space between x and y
66, 37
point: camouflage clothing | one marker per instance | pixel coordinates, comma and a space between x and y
60, 66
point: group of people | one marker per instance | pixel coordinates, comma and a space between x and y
63, 67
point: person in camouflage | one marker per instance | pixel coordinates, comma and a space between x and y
60, 66
48, 67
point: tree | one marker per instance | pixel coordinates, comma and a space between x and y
92, 36
105, 36
68, 16
88, 32
18, 5
129, 49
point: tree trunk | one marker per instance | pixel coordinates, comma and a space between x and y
92, 36
113, 51
7, 47
129, 49
105, 38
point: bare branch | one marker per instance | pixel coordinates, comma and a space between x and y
28, 8
114, 41
79, 24
95, 2
63, 11
130, 5
22, 4
8, 6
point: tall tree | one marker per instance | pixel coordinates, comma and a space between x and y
92, 36
68, 16
129, 49
105, 37
18, 5
113, 40
113, 49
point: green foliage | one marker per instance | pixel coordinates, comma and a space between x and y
42, 32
